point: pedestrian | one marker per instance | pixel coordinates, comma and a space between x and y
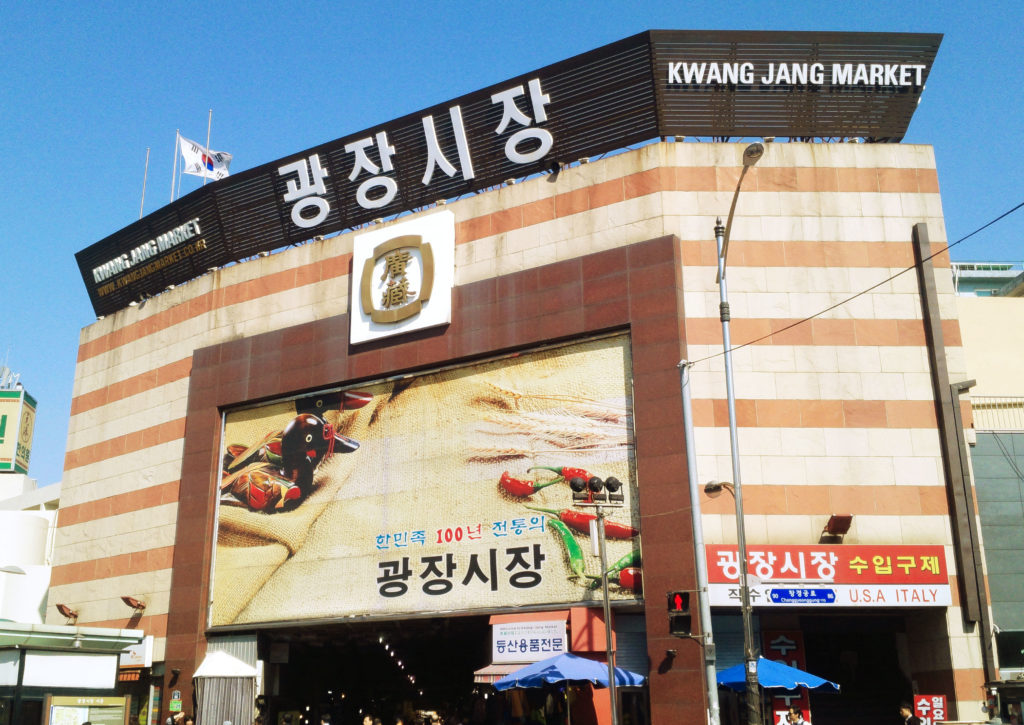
907, 713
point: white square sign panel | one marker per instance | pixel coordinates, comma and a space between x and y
402, 277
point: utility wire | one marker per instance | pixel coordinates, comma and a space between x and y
862, 292
1008, 456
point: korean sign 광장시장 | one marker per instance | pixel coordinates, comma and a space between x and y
655, 84
832, 576
428, 492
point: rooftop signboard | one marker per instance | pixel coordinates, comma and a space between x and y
656, 84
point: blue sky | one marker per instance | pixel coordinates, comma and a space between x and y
87, 87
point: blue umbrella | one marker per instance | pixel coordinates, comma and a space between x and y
563, 667
774, 675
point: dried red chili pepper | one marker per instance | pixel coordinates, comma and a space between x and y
517, 487
565, 473
581, 522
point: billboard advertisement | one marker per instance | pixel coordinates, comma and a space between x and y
444, 491
17, 421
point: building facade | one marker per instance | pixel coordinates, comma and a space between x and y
993, 346
351, 463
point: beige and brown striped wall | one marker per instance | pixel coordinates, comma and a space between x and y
835, 415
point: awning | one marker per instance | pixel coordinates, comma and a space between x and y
492, 673
69, 638
221, 664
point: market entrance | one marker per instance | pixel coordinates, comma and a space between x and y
384, 669
863, 653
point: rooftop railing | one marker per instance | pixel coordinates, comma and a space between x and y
997, 413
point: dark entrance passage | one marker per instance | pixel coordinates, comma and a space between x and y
384, 669
863, 655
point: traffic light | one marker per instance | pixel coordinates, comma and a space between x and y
579, 489
614, 487
679, 614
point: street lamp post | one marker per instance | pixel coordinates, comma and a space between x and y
600, 494
751, 155
612, 695
700, 556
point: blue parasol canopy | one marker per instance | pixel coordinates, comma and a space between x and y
774, 675
563, 667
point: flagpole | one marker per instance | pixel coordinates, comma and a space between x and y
174, 167
144, 175
209, 123
181, 172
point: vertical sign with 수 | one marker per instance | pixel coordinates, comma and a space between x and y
17, 420
930, 709
402, 277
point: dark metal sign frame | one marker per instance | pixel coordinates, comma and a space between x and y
655, 84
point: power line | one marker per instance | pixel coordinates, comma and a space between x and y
864, 291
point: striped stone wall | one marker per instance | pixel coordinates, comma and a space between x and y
835, 414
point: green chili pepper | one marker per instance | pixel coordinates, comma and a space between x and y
629, 559
572, 547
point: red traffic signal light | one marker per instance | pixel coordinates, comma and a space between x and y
679, 602
679, 623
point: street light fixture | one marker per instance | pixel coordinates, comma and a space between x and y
714, 488
751, 155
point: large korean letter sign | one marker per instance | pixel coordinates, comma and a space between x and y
658, 83
417, 494
832, 576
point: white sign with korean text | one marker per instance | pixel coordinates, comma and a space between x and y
527, 641
402, 277
138, 655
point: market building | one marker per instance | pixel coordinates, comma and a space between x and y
344, 459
